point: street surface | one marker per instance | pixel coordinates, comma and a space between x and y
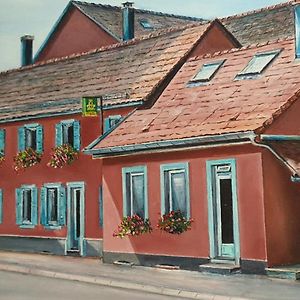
14, 286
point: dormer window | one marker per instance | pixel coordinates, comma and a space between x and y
146, 24
207, 71
258, 64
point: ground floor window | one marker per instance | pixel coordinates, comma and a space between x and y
1, 206
135, 191
26, 210
53, 205
175, 188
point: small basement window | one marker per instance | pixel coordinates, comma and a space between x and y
207, 71
146, 24
258, 64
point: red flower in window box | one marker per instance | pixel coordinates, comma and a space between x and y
62, 155
27, 158
133, 226
2, 159
174, 222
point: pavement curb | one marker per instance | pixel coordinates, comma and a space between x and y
116, 283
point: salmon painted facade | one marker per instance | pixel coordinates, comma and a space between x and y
53, 203
221, 147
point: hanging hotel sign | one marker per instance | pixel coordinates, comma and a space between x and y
89, 107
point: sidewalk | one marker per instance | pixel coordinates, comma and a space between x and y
185, 284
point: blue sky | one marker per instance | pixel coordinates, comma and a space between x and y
36, 17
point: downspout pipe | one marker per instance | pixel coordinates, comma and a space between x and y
295, 177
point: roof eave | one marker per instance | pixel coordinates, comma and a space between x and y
212, 140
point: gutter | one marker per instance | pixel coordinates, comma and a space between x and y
279, 138
203, 141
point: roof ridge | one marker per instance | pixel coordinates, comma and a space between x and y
157, 13
134, 41
255, 11
252, 46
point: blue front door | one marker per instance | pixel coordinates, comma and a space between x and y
223, 214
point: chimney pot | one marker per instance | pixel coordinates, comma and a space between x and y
26, 49
128, 21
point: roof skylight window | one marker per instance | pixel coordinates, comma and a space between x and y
258, 64
207, 71
146, 24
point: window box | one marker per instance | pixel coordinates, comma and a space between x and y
174, 222
27, 158
133, 226
62, 155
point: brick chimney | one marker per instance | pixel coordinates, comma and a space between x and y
26, 50
128, 21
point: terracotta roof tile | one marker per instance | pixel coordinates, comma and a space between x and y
126, 72
224, 105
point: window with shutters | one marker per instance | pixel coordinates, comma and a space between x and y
1, 206
68, 132
26, 210
111, 122
2, 142
31, 136
53, 205
135, 191
175, 188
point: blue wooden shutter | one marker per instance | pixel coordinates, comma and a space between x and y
44, 218
19, 219
39, 138
1, 206
100, 206
62, 205
106, 124
34, 206
58, 134
21, 139
76, 128
2, 141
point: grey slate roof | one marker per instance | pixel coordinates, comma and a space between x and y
110, 17
266, 24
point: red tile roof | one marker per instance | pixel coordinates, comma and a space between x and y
130, 71
224, 105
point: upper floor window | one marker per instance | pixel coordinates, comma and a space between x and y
111, 121
68, 132
175, 188
135, 191
53, 205
2, 142
258, 64
30, 136
207, 71
146, 24
26, 208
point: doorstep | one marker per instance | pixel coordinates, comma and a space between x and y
219, 268
285, 272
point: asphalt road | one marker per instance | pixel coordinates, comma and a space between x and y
14, 286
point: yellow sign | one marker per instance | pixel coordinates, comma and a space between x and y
89, 107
